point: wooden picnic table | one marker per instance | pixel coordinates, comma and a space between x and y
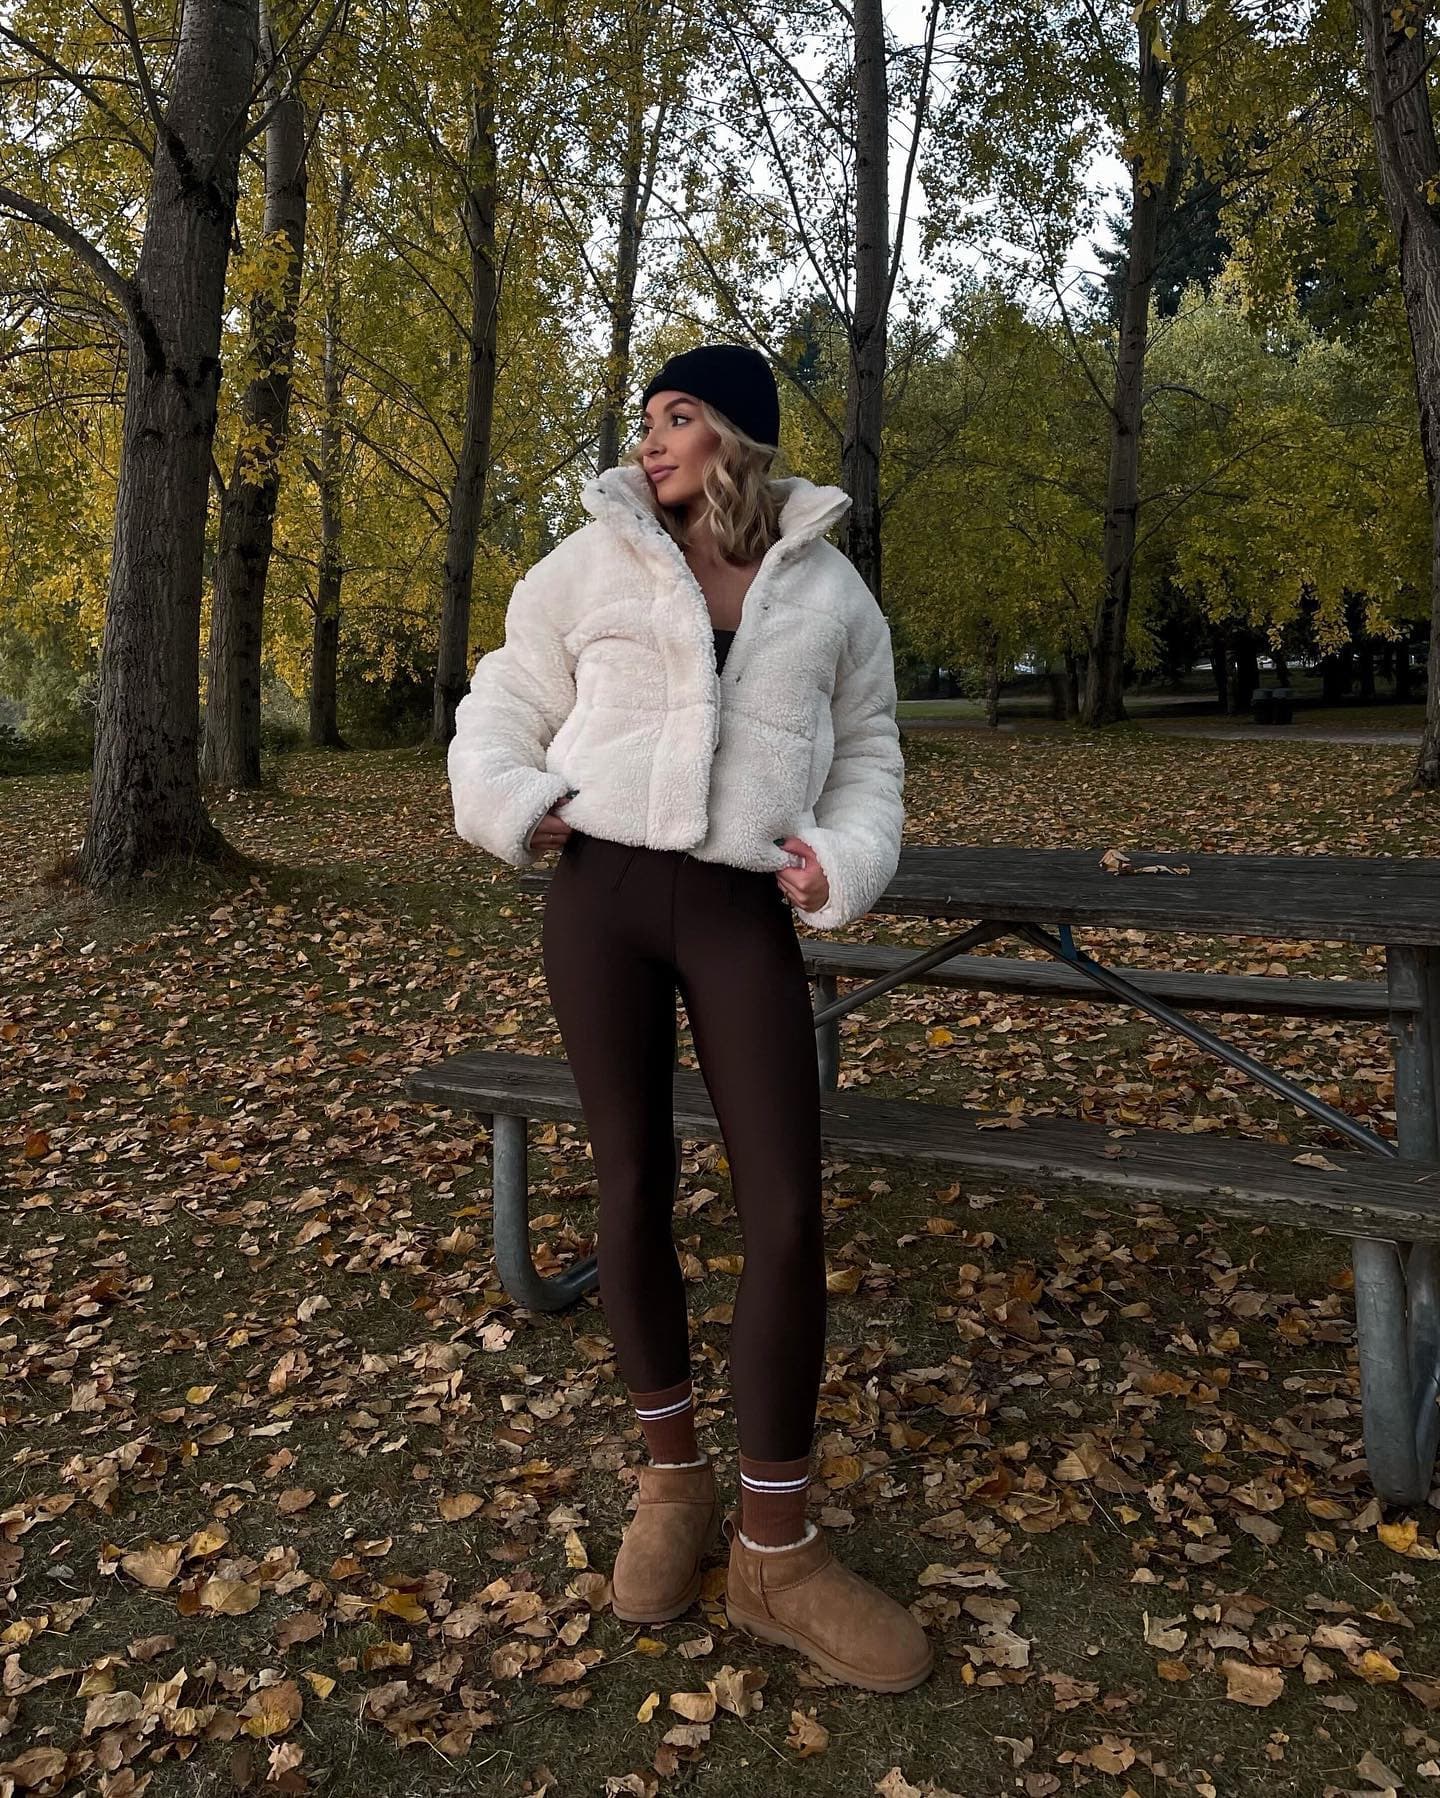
1390, 1213
1043, 896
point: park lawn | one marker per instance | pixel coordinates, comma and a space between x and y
291, 1489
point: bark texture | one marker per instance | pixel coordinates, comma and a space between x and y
642, 152
230, 752
467, 493
865, 390
1104, 701
1409, 160
145, 804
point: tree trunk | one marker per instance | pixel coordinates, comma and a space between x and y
145, 801
865, 390
1397, 57
325, 635
1335, 676
230, 751
467, 493
1105, 684
1245, 675
1281, 667
1402, 670
992, 679
640, 160
1220, 668
1072, 684
1366, 660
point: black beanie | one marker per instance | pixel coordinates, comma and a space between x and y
733, 378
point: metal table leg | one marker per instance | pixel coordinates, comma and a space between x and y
827, 1035
1397, 1285
830, 1008
511, 1185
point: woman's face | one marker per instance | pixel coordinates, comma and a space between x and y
675, 445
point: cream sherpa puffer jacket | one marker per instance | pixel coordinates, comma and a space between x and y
606, 683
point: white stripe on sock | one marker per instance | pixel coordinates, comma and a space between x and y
774, 1485
665, 1410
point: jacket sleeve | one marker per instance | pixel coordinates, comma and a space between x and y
519, 696
860, 814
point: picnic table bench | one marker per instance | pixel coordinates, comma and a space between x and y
1385, 1198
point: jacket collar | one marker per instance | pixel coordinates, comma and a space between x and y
619, 498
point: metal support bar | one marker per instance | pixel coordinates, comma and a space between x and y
510, 1179
830, 1008
1063, 949
827, 1035
911, 970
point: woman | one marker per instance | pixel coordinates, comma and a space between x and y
695, 702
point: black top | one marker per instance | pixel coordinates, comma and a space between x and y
723, 640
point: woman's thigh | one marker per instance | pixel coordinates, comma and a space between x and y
742, 975
613, 995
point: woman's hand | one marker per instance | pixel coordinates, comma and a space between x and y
807, 887
552, 830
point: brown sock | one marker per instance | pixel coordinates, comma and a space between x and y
773, 1496
668, 1421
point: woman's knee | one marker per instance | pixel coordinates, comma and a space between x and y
789, 1236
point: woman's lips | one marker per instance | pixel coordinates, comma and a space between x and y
660, 474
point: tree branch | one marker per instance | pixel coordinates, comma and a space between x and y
921, 102
142, 69
81, 86
116, 284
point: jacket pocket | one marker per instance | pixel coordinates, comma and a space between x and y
822, 755
562, 743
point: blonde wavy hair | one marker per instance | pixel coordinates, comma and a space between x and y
735, 494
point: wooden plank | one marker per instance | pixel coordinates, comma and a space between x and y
1258, 993
1230, 1176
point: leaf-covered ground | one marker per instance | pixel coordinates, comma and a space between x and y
293, 1499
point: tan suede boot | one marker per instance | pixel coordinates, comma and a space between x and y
657, 1571
802, 1597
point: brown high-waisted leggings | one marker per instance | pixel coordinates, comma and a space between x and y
624, 929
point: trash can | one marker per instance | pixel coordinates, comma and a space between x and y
1262, 705
1284, 701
